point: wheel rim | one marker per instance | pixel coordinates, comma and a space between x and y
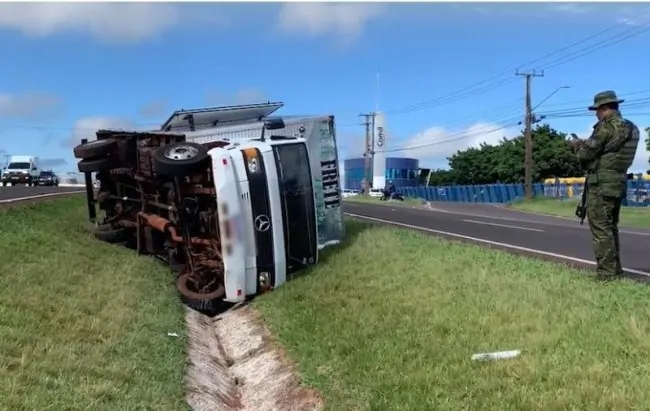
182, 152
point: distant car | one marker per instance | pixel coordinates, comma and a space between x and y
348, 192
376, 192
48, 178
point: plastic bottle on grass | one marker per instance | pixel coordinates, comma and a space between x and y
498, 355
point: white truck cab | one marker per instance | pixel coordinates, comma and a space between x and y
267, 213
21, 170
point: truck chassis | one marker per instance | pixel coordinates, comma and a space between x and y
157, 196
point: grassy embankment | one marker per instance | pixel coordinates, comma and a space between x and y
83, 324
409, 202
390, 321
630, 216
387, 321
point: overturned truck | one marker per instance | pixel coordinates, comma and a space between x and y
233, 219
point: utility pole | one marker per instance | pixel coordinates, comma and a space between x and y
528, 133
368, 151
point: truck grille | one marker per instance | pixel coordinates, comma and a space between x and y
261, 213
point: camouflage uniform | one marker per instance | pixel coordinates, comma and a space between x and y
606, 156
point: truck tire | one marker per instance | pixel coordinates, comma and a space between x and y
209, 303
180, 159
111, 235
93, 165
95, 148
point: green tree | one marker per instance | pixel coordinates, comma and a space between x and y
504, 162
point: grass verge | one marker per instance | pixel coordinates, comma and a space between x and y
630, 216
83, 325
389, 322
410, 202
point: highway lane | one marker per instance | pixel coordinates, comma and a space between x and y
542, 236
19, 193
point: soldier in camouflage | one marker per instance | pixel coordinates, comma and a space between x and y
606, 157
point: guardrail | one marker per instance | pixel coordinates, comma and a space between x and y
637, 192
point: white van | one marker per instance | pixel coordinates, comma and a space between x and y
21, 170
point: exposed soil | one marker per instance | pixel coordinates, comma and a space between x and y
235, 365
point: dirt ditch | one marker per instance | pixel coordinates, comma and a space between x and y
235, 365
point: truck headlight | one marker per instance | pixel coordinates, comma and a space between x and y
252, 160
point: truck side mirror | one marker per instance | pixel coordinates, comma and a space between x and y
273, 123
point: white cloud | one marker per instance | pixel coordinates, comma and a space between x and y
124, 22
571, 8
346, 20
433, 145
28, 105
86, 128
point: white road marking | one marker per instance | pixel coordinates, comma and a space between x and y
568, 218
519, 220
13, 200
504, 225
495, 243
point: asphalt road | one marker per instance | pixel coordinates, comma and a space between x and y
18, 193
520, 232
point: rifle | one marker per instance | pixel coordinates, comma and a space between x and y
581, 209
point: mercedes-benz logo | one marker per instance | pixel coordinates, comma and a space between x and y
262, 223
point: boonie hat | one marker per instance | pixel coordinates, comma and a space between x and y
604, 97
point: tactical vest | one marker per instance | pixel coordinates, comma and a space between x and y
618, 154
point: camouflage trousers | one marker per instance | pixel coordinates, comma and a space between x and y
603, 215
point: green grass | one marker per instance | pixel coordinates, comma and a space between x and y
83, 325
390, 320
410, 202
630, 216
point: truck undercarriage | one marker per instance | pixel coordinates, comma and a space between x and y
157, 195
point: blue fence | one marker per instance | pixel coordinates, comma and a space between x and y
637, 192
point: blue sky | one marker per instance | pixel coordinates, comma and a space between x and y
71, 68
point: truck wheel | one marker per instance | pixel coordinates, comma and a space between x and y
111, 235
180, 159
92, 165
95, 148
206, 303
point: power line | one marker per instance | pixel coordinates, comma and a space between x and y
632, 103
471, 91
457, 136
585, 102
596, 47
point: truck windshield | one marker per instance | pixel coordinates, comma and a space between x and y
18, 166
297, 197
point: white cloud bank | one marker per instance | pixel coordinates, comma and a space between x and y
28, 105
345, 20
122, 22
88, 126
433, 145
